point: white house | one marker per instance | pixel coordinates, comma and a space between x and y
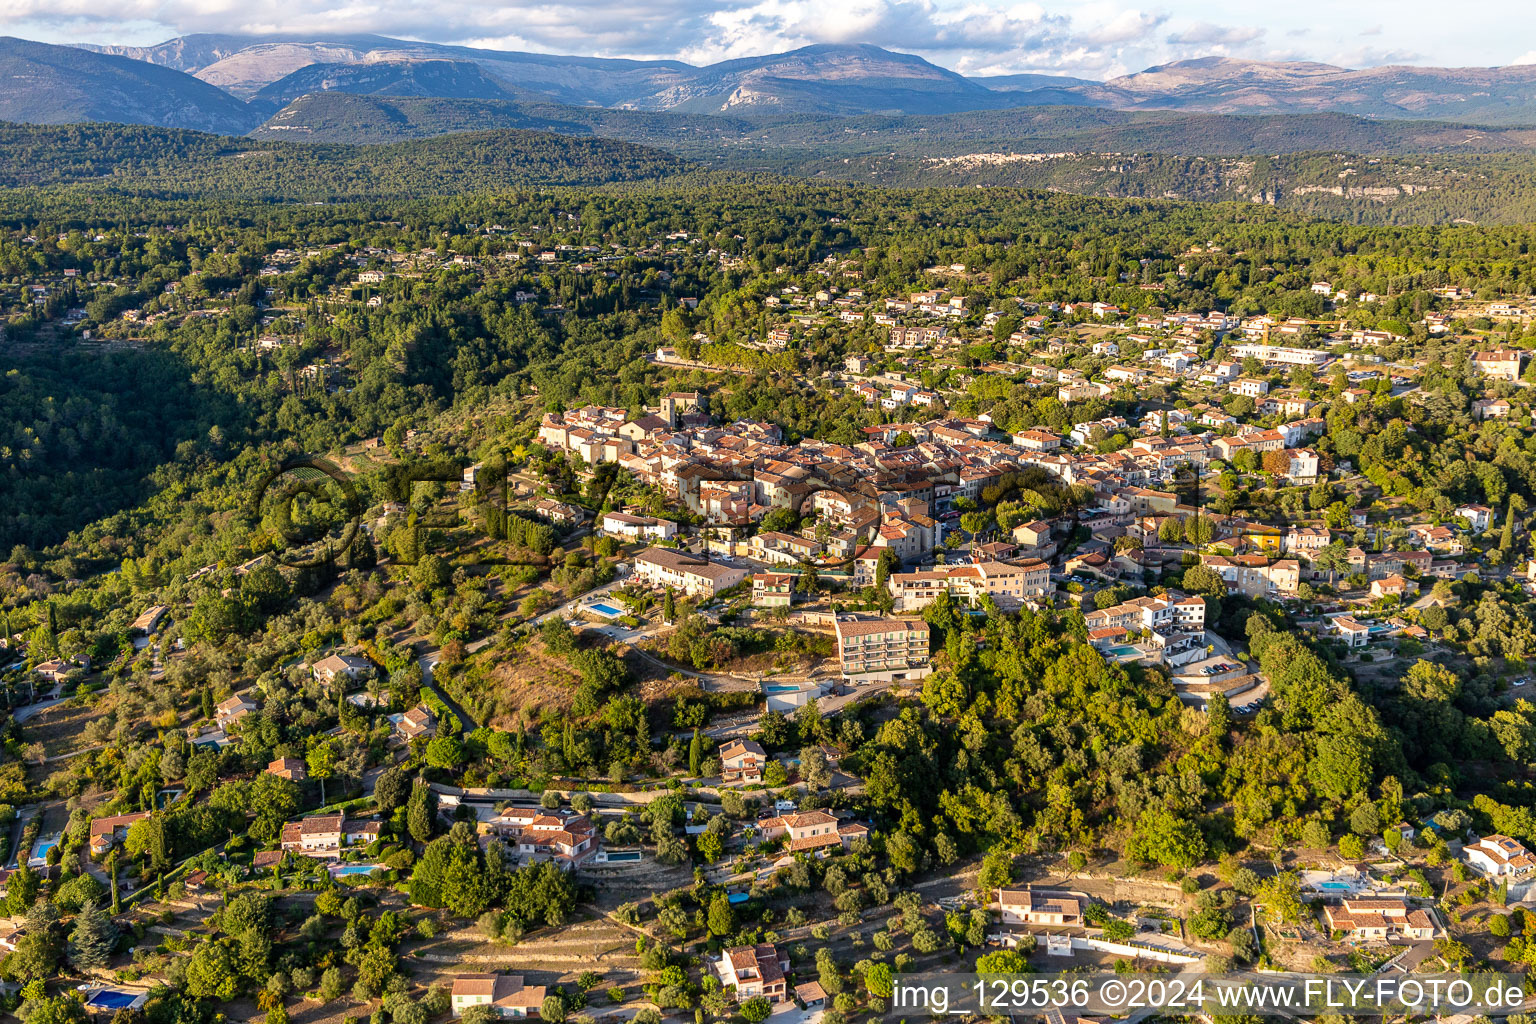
633, 528
1478, 517
1499, 856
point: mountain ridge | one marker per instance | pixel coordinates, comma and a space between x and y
827, 79
65, 84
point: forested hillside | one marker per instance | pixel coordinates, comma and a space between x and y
452, 340
167, 163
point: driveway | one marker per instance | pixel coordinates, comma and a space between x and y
428, 662
788, 1013
23, 713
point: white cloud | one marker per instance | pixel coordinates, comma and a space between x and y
1092, 38
1206, 34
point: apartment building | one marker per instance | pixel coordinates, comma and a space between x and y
1281, 354
1171, 611
882, 650
1010, 585
1499, 363
563, 836
348, 666
108, 832
231, 710
290, 768
693, 575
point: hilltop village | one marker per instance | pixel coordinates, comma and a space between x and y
581, 617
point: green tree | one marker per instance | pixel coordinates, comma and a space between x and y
321, 762
35, 958
756, 1010
1161, 837
92, 939
21, 891
722, 916
445, 752
996, 871
391, 788
212, 973
879, 980
60, 1009
1002, 961
421, 812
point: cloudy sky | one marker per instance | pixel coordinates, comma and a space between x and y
1092, 38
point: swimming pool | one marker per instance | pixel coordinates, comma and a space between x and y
782, 688
353, 869
40, 852
1335, 886
605, 609
625, 855
737, 897
1123, 651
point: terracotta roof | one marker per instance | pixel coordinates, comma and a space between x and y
815, 842
740, 748
106, 826
808, 819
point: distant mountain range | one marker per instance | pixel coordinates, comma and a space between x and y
270, 84
866, 79
61, 84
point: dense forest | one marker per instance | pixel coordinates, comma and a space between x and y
570, 150
166, 163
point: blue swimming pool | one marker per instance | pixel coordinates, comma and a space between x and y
737, 897
625, 855
1123, 651
781, 688
40, 851
107, 999
605, 609
1335, 886
353, 869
